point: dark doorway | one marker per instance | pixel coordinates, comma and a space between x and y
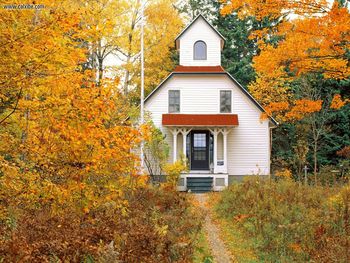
199, 150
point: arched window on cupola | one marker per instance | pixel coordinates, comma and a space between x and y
200, 50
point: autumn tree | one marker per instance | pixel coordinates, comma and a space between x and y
159, 44
315, 42
58, 129
312, 42
101, 22
70, 187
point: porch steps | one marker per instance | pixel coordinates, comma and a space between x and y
200, 184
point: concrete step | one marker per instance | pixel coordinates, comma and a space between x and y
199, 184
200, 179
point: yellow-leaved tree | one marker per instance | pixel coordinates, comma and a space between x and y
64, 147
307, 41
70, 186
162, 24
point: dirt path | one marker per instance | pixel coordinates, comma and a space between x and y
219, 251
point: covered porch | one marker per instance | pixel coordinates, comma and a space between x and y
203, 140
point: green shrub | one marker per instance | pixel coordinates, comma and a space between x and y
291, 222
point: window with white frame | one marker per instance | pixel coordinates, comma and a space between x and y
225, 101
174, 101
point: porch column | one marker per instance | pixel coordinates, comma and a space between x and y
225, 150
184, 136
215, 157
174, 146
215, 153
174, 132
225, 132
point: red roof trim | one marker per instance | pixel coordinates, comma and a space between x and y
194, 69
200, 120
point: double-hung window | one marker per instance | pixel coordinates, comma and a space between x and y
174, 101
225, 101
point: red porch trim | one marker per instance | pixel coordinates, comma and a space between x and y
199, 69
200, 120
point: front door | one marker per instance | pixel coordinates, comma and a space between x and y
199, 150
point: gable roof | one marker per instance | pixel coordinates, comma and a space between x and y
205, 20
200, 72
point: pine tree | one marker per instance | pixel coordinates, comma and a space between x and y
239, 49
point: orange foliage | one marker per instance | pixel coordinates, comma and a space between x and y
274, 9
316, 44
284, 174
303, 107
276, 107
314, 41
149, 232
63, 124
345, 152
69, 184
241, 217
269, 88
297, 110
338, 103
311, 43
64, 148
296, 247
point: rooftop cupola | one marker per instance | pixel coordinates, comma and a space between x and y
200, 44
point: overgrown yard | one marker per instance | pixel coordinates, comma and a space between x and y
284, 221
258, 220
154, 225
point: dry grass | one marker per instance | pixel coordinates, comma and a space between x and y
285, 221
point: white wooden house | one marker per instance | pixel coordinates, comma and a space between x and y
207, 115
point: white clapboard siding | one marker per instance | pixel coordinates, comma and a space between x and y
248, 143
200, 30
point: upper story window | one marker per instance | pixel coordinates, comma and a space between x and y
225, 101
200, 50
174, 101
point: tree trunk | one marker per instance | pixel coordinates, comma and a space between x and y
99, 58
100, 71
315, 160
129, 51
126, 79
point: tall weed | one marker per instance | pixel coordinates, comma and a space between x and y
290, 221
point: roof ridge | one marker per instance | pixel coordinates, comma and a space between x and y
205, 20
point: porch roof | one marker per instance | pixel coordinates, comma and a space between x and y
200, 119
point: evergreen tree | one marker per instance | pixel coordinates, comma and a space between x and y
239, 49
289, 138
192, 8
